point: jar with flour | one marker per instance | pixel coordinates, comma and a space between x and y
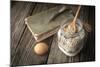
71, 42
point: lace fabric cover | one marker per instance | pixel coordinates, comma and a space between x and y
70, 42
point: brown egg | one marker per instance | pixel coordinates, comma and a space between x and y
41, 48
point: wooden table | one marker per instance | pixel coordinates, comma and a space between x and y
22, 41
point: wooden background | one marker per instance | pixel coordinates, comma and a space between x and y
22, 41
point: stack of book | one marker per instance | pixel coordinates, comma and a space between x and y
47, 23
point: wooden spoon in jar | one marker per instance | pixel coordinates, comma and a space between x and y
73, 23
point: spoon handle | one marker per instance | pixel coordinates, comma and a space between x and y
76, 14
75, 18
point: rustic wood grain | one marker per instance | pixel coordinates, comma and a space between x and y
88, 52
28, 56
22, 41
18, 13
24, 54
56, 56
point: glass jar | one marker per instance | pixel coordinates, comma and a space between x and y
71, 43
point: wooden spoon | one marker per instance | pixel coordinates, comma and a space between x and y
73, 23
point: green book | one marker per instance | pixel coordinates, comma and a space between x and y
47, 23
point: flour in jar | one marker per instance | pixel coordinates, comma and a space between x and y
69, 41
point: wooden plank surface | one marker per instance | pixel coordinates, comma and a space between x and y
18, 27
56, 56
28, 56
24, 54
22, 41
